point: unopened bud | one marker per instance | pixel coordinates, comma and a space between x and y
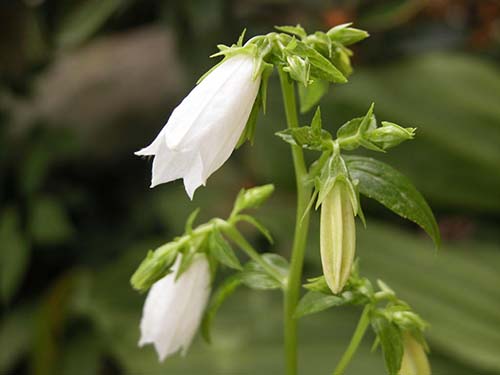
154, 267
299, 69
337, 236
253, 197
415, 360
389, 135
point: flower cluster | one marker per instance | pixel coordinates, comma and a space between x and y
220, 112
219, 115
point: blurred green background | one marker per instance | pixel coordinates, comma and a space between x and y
83, 84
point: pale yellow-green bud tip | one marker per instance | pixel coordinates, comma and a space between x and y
415, 360
337, 237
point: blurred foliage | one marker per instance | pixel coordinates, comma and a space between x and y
76, 213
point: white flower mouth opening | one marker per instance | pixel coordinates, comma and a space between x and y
174, 308
205, 127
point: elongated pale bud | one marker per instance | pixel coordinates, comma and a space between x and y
337, 236
415, 360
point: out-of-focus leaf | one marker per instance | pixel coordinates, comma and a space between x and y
452, 100
455, 291
390, 14
222, 251
84, 20
224, 290
15, 336
383, 183
49, 222
314, 302
14, 253
311, 95
81, 355
391, 341
50, 320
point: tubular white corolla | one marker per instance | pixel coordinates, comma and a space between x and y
173, 309
204, 129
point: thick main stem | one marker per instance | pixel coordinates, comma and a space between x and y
363, 324
292, 290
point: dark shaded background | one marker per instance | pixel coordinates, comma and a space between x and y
85, 83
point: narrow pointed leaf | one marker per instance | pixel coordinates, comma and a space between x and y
222, 251
314, 302
260, 227
391, 341
227, 288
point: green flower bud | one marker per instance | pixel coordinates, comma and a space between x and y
253, 197
415, 360
389, 135
337, 236
299, 69
154, 267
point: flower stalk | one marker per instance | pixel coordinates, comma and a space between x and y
292, 290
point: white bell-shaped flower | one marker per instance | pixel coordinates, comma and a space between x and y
174, 308
204, 129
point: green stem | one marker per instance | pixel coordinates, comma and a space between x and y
364, 322
292, 290
239, 240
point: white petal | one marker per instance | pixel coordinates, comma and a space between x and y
173, 309
199, 101
220, 141
203, 130
170, 165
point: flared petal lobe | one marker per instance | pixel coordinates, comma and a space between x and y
204, 129
173, 309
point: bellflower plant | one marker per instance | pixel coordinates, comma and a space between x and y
219, 115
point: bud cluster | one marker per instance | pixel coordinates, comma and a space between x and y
399, 330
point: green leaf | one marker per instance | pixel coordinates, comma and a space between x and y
14, 254
49, 222
222, 251
249, 131
255, 276
257, 224
187, 258
314, 302
318, 284
190, 221
316, 123
383, 183
310, 95
16, 336
84, 20
321, 67
293, 30
224, 290
391, 340
306, 137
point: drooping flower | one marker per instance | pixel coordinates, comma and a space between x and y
204, 129
174, 308
337, 236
